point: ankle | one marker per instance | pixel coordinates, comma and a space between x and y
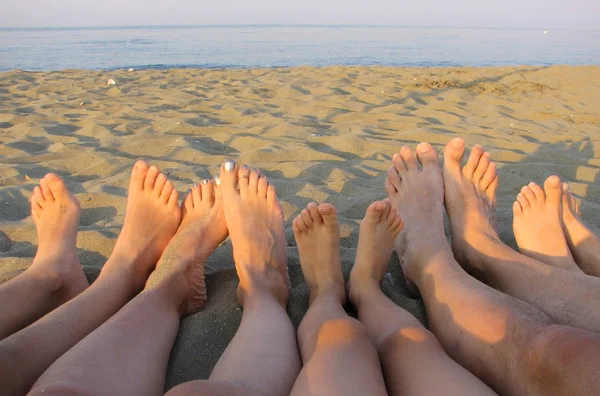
329, 290
418, 265
47, 279
362, 289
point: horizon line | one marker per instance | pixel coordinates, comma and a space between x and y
271, 25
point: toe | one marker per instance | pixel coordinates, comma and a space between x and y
527, 193
327, 211
161, 180
482, 167
188, 202
197, 192
229, 180
490, 192
151, 177
427, 156
39, 196
298, 225
472, 162
243, 176
409, 159
376, 210
165, 193
392, 215
537, 191
389, 189
306, 218
399, 164
263, 184
46, 190
313, 209
253, 182
453, 154
138, 175
517, 209
56, 185
271, 194
394, 178
523, 201
553, 190
488, 177
397, 225
173, 199
208, 192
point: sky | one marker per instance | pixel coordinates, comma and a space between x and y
542, 14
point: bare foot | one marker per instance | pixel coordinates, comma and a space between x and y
317, 234
583, 243
255, 221
416, 191
470, 197
202, 230
55, 212
378, 232
152, 217
537, 224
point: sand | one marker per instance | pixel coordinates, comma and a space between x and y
322, 134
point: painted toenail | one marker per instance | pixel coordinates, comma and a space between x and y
204, 181
195, 185
423, 147
217, 181
244, 167
458, 143
229, 165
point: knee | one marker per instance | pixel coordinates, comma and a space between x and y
64, 389
341, 331
407, 338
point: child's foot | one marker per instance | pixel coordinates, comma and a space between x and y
255, 221
202, 230
55, 212
317, 235
378, 232
152, 217
537, 224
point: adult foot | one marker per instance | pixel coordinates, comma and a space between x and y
378, 232
470, 198
255, 221
415, 188
55, 212
317, 234
152, 217
537, 224
583, 243
181, 266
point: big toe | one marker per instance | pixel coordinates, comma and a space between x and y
553, 190
453, 154
327, 211
229, 179
427, 156
138, 175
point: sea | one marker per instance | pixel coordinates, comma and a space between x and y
163, 47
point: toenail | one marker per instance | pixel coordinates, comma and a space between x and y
458, 143
217, 181
423, 147
195, 185
244, 167
255, 170
204, 181
229, 165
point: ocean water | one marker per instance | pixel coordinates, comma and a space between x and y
282, 46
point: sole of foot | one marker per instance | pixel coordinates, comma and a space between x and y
55, 212
151, 219
470, 199
415, 188
538, 227
255, 220
317, 235
181, 267
378, 232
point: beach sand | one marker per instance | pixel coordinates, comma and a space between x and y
322, 134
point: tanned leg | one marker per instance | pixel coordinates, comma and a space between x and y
128, 354
511, 345
55, 276
563, 295
152, 217
413, 360
338, 357
262, 358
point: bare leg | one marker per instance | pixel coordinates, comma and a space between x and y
584, 244
128, 354
538, 227
509, 344
414, 362
25, 355
55, 276
470, 196
262, 358
339, 358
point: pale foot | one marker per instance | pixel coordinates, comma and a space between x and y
181, 266
378, 232
255, 221
55, 213
537, 224
416, 191
317, 234
583, 243
152, 217
470, 198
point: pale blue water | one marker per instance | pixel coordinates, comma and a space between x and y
272, 46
